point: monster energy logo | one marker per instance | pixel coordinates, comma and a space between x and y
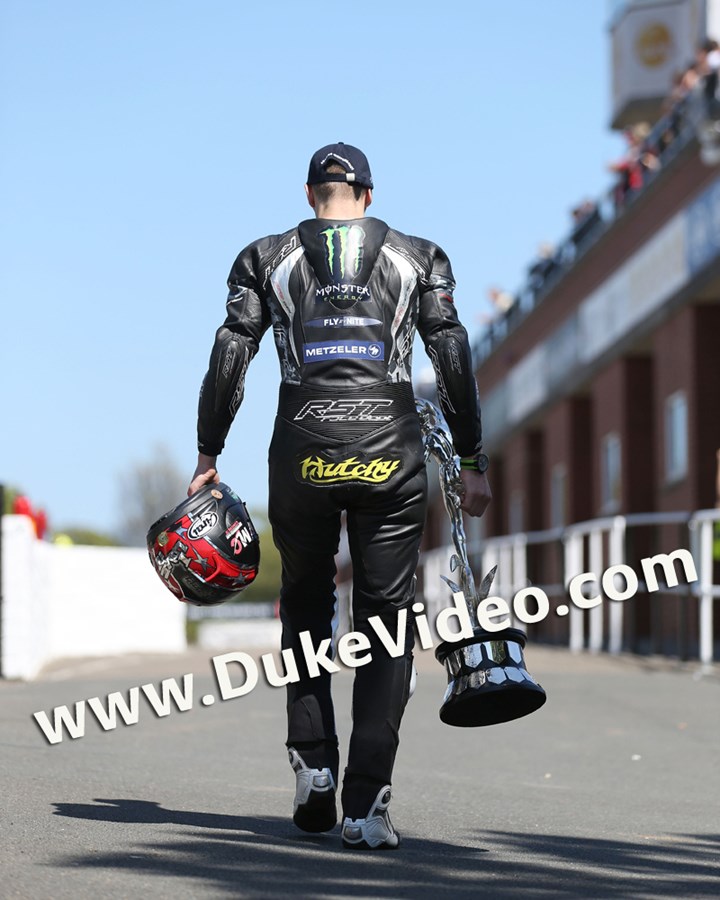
344, 247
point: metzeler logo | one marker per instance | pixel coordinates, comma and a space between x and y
344, 248
316, 470
320, 350
360, 410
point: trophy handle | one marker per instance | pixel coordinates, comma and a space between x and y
488, 681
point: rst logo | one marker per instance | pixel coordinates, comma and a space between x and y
359, 410
284, 251
202, 525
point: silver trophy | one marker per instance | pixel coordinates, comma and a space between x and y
488, 682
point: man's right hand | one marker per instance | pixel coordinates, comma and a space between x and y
477, 494
205, 473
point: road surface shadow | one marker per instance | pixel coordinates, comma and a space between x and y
267, 857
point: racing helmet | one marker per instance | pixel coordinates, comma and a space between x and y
206, 550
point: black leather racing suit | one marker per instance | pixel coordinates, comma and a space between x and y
344, 299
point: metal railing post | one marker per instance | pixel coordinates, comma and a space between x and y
574, 566
595, 625
2, 511
519, 565
510, 554
706, 591
489, 559
505, 560
616, 557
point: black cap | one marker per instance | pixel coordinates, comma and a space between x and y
354, 161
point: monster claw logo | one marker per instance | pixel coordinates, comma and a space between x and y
344, 247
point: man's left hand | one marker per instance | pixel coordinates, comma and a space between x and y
205, 473
478, 495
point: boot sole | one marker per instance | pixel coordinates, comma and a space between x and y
363, 845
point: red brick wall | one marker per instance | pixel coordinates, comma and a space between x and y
622, 403
567, 430
674, 371
705, 411
607, 394
523, 468
639, 436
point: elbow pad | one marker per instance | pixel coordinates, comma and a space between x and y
457, 392
228, 365
222, 390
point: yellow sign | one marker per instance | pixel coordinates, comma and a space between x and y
317, 470
653, 45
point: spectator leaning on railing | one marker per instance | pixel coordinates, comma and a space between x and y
707, 60
585, 217
632, 168
644, 155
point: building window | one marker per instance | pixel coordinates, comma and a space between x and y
676, 436
558, 496
611, 473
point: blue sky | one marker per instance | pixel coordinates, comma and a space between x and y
145, 143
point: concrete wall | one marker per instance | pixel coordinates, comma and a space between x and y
79, 601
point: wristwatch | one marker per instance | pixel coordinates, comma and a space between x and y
477, 463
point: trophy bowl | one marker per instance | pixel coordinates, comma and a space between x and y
488, 682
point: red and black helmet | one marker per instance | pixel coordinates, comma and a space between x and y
206, 550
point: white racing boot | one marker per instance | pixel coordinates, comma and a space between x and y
314, 807
375, 831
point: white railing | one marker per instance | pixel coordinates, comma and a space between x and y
592, 546
701, 527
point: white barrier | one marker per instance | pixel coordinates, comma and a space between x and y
74, 601
594, 546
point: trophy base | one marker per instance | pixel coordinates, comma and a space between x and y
487, 680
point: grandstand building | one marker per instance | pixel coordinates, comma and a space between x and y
600, 390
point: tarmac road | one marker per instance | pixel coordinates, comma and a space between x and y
610, 791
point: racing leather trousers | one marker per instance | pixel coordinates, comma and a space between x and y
313, 478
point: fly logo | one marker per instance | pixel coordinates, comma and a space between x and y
316, 470
344, 250
343, 322
360, 410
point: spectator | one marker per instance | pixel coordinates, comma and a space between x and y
633, 167
673, 107
585, 217
683, 82
501, 300
707, 60
545, 263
